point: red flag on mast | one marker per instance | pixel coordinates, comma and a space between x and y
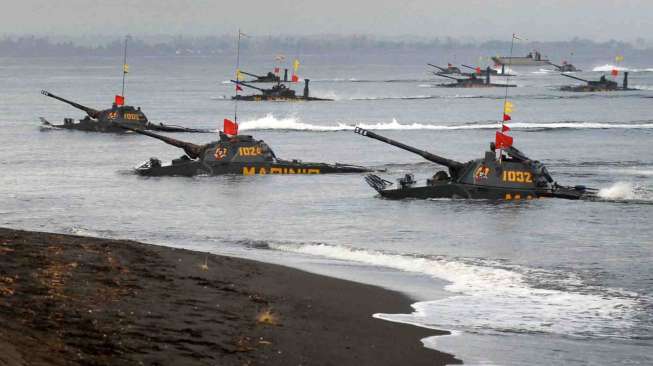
502, 140
505, 128
230, 127
119, 100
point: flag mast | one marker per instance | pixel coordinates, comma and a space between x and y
507, 106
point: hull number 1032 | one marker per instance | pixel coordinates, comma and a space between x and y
517, 176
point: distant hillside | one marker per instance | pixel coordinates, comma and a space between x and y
578, 49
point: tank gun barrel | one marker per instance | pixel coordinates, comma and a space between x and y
192, 150
437, 67
467, 66
574, 77
93, 113
250, 74
246, 85
451, 164
447, 76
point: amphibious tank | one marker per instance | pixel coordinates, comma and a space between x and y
511, 177
472, 81
270, 77
450, 69
566, 67
239, 154
111, 120
601, 85
484, 72
279, 92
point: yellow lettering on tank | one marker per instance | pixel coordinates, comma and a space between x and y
291, 171
313, 171
132, 116
275, 170
262, 171
249, 170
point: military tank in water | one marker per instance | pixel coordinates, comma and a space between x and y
512, 177
270, 77
112, 120
601, 85
449, 70
233, 154
484, 72
279, 92
472, 81
566, 67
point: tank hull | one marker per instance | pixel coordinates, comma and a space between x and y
469, 191
90, 125
261, 97
188, 168
475, 85
591, 89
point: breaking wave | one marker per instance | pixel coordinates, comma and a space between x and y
609, 67
618, 191
494, 297
269, 122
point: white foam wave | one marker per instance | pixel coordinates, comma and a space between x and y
610, 67
618, 191
270, 122
495, 299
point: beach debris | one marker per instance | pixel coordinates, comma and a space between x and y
205, 266
267, 317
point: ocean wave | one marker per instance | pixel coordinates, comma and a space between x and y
610, 67
619, 191
269, 122
494, 297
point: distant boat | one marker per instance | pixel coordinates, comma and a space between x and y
532, 59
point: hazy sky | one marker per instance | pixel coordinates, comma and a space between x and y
536, 20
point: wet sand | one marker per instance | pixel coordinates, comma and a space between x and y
70, 300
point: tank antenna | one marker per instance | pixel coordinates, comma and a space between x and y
240, 34
125, 67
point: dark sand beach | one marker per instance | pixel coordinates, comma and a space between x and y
70, 300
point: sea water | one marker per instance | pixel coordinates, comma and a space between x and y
535, 282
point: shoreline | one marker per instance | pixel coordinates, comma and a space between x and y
68, 299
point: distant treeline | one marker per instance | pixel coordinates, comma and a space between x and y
217, 45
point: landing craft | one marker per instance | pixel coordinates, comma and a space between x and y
601, 85
512, 177
279, 92
532, 59
233, 154
450, 69
472, 81
112, 119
